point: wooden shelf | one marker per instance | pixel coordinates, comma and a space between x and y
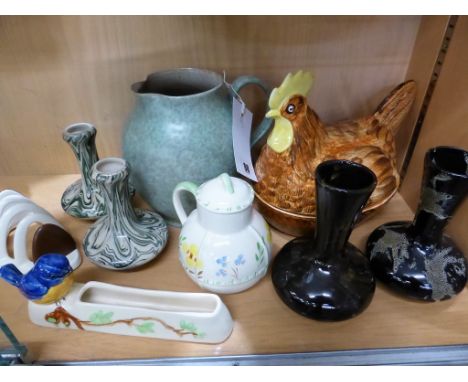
263, 324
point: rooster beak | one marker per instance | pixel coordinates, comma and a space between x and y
273, 113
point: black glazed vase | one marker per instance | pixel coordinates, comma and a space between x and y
415, 258
325, 277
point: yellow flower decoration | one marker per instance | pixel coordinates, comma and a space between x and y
268, 233
191, 256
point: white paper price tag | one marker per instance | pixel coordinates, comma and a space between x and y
241, 127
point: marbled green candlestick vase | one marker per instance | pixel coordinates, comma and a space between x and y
80, 199
415, 258
124, 238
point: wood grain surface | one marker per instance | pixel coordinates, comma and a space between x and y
423, 59
58, 70
263, 324
446, 123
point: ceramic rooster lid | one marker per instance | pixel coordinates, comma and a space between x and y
225, 194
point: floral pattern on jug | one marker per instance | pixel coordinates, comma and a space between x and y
189, 256
231, 270
229, 249
267, 238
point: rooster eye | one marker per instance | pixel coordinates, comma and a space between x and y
290, 109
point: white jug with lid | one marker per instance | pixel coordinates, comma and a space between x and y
224, 244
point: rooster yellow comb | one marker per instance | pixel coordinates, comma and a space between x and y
293, 84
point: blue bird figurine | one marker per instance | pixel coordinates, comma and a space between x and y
48, 281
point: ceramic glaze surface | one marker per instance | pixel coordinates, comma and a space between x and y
228, 263
415, 258
80, 198
124, 238
48, 281
18, 216
50, 238
300, 141
225, 251
180, 129
325, 277
106, 308
225, 194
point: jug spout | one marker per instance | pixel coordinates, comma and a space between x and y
137, 86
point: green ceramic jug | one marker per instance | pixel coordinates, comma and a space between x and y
181, 129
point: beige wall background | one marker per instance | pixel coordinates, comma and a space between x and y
56, 70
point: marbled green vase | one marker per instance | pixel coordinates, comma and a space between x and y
124, 238
80, 199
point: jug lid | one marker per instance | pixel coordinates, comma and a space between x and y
225, 194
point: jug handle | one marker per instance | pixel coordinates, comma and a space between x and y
259, 132
184, 186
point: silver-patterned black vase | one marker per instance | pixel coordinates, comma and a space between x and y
416, 258
125, 237
80, 198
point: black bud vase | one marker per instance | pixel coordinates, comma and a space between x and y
415, 258
325, 277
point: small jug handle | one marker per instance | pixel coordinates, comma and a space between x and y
265, 125
184, 186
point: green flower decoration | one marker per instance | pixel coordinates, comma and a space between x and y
145, 327
101, 318
190, 327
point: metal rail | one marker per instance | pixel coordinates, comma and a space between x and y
432, 355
